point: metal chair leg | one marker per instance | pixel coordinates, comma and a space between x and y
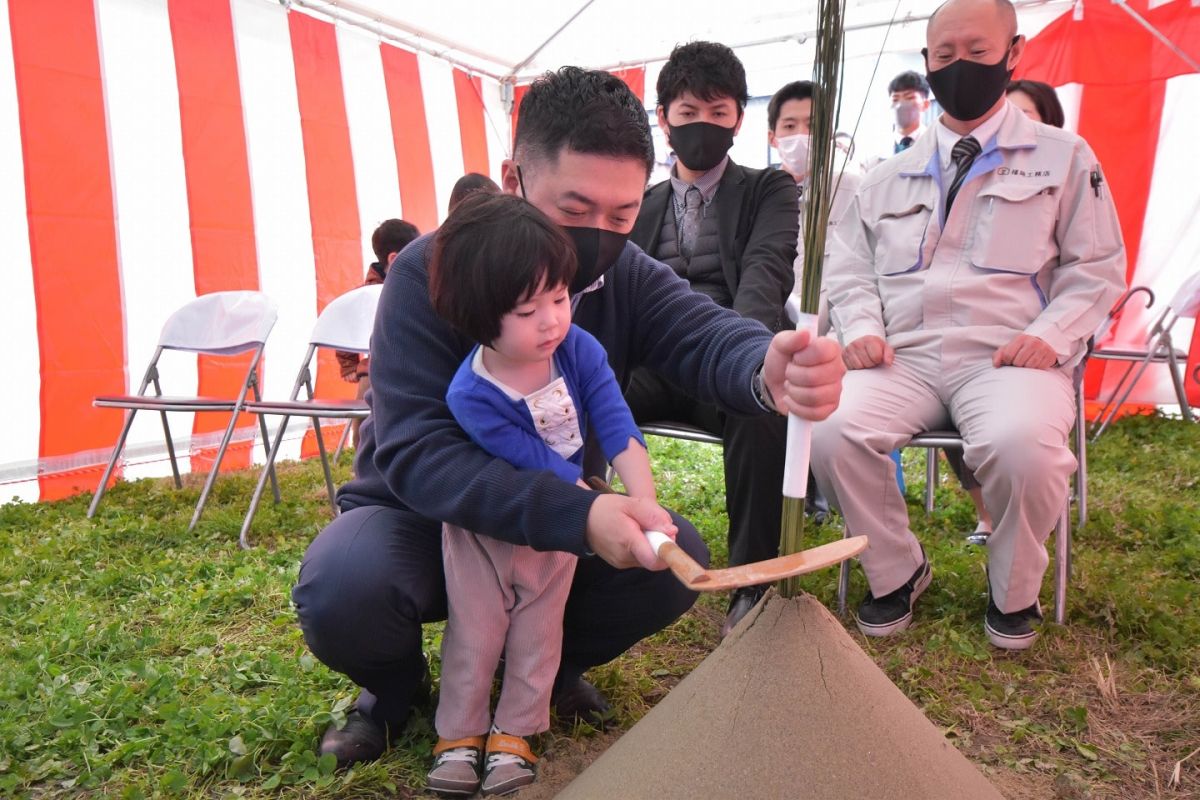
112, 462
843, 581
325, 466
337, 454
244, 536
212, 473
171, 450
262, 427
931, 477
1062, 564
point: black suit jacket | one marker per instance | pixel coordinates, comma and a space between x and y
759, 225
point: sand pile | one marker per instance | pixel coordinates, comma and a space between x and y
789, 706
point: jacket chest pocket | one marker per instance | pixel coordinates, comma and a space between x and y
899, 239
1014, 227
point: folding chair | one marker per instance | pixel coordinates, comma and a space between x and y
217, 324
674, 430
345, 324
1159, 349
933, 441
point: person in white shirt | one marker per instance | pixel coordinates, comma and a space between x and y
965, 280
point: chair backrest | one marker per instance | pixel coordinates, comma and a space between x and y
220, 323
346, 323
1186, 302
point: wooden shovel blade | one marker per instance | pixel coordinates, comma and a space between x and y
775, 569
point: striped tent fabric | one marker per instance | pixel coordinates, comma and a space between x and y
154, 150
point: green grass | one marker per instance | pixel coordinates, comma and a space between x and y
138, 660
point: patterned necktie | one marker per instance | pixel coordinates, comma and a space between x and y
689, 223
963, 155
904, 144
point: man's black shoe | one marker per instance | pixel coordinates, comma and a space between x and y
578, 699
1013, 631
360, 739
892, 613
740, 604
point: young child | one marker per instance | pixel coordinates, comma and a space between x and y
529, 392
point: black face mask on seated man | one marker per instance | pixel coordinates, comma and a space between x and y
967, 89
700, 145
596, 249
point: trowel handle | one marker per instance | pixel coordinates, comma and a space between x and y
799, 430
675, 557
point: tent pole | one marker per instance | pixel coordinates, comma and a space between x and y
525, 61
1157, 34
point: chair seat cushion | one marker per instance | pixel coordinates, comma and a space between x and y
164, 403
337, 408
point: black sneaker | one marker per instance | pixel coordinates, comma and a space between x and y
577, 699
892, 613
740, 604
1013, 631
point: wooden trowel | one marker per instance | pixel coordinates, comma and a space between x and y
699, 579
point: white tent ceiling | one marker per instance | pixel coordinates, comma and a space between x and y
527, 37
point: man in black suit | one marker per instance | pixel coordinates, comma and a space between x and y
731, 232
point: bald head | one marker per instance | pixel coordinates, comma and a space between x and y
971, 30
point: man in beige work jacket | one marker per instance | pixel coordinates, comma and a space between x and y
965, 280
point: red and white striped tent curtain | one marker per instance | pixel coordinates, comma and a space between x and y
154, 150
1138, 95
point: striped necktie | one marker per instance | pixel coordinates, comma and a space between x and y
963, 155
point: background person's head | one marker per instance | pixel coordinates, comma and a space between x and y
582, 150
471, 182
701, 96
392, 236
492, 253
1038, 100
909, 92
789, 119
971, 49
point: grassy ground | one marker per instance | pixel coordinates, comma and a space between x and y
138, 660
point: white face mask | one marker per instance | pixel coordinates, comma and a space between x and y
793, 151
908, 113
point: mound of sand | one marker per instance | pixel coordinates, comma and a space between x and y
788, 706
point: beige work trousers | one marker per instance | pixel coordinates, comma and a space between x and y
1015, 425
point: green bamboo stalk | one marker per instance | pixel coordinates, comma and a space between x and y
827, 65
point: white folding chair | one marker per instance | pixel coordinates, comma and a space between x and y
933, 441
216, 324
345, 324
1159, 349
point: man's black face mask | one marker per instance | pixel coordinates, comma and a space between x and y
596, 249
700, 145
967, 89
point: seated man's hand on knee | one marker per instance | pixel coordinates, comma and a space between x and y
866, 352
1026, 351
804, 374
616, 527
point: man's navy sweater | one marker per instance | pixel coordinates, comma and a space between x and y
414, 457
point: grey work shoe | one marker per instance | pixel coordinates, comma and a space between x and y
455, 770
510, 764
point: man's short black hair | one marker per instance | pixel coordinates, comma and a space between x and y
796, 90
708, 70
471, 182
587, 111
494, 252
392, 236
909, 81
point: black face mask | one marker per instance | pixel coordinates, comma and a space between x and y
596, 249
967, 89
700, 145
